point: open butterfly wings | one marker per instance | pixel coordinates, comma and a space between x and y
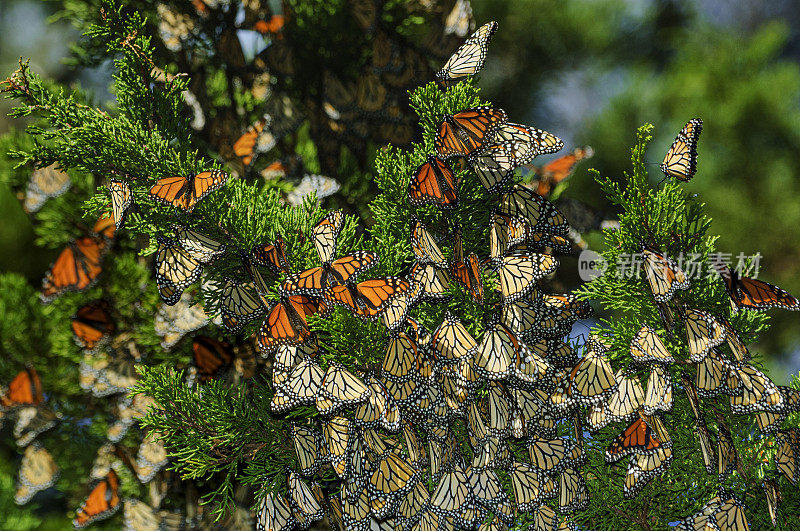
755, 294
185, 192
680, 161
465, 132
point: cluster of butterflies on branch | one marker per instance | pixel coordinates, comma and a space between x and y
449, 431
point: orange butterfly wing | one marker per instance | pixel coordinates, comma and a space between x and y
467, 131
636, 439
204, 183
105, 226
559, 169
272, 255
468, 274
376, 293
755, 294
210, 356
173, 191
286, 324
102, 501
76, 268
307, 282
244, 147
24, 389
433, 183
92, 323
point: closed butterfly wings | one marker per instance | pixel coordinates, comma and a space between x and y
680, 161
469, 58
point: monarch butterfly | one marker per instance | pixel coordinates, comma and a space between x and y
703, 332
402, 358
272, 26
121, 198
506, 232
553, 455
316, 280
45, 183
643, 468
173, 322
637, 439
681, 158
646, 346
730, 515
559, 313
559, 170
523, 204
92, 324
664, 276
302, 386
424, 246
128, 411
658, 395
787, 458
434, 283
726, 453
176, 269
336, 434
592, 379
186, 192
394, 476
274, 514
211, 357
519, 274
239, 305
76, 268
735, 343
524, 143
286, 323
433, 183
465, 132
452, 496
494, 166
341, 388
754, 294
303, 497
774, 497
102, 502
701, 520
522, 316
24, 390
258, 138
200, 247
770, 421
496, 351
138, 516
32, 421
710, 376
309, 448
467, 272
691, 394
706, 445
572, 495
150, 458
380, 408
319, 185
626, 399
758, 392
37, 472
451, 340
469, 58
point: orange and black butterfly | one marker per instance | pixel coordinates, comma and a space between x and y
681, 158
272, 255
92, 323
211, 357
272, 26
24, 390
102, 502
467, 273
464, 133
369, 298
637, 439
254, 141
76, 268
286, 322
315, 281
559, 169
433, 184
186, 192
754, 294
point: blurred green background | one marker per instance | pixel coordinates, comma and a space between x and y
590, 71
